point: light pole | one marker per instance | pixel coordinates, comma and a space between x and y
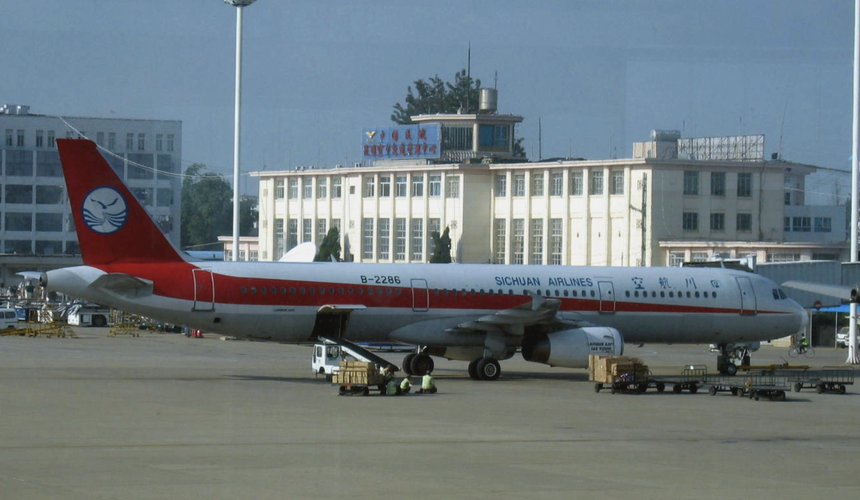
240, 5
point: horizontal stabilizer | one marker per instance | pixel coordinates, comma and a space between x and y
123, 284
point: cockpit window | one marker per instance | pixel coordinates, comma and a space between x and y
775, 294
782, 294
778, 294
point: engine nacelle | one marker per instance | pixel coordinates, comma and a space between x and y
570, 348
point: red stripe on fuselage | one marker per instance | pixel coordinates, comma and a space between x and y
174, 280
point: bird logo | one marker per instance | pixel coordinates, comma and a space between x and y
105, 210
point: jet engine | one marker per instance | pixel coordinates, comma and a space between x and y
570, 348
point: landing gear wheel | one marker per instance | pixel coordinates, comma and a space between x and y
407, 363
731, 369
488, 369
473, 369
421, 364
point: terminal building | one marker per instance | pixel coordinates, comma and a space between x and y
675, 200
36, 228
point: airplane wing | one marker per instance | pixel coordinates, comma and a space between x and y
513, 321
123, 284
838, 291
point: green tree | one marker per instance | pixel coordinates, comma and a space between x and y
441, 248
329, 247
437, 96
207, 209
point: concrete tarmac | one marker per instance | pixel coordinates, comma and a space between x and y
165, 416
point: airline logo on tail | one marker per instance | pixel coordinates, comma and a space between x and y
105, 210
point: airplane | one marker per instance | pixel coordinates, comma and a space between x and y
481, 313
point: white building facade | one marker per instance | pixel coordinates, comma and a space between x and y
652, 210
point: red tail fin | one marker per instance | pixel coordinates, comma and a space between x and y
111, 225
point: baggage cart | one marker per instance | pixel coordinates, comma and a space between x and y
829, 378
359, 377
772, 386
692, 378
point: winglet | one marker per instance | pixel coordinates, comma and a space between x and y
111, 225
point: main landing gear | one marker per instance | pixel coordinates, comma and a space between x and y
484, 369
418, 364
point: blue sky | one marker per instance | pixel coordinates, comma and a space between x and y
598, 75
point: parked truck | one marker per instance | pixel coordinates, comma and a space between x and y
88, 315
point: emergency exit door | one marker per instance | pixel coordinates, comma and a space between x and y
749, 304
204, 290
420, 297
607, 296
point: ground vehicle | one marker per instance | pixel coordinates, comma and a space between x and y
842, 337
8, 319
328, 355
88, 315
326, 359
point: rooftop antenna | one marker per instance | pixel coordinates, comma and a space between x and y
540, 140
496, 80
469, 76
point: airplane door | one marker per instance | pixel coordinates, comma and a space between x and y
607, 296
420, 296
204, 290
749, 304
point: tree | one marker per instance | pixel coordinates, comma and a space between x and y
437, 96
329, 247
441, 248
207, 209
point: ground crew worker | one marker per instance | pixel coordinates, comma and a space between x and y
391, 388
428, 386
406, 385
804, 342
